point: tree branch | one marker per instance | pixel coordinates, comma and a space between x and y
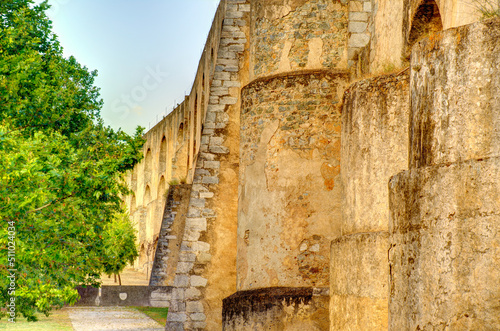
49, 204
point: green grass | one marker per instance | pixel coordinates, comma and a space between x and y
58, 320
488, 8
158, 314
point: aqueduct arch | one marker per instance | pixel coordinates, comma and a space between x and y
426, 20
148, 164
163, 155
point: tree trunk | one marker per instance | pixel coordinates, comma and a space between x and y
119, 279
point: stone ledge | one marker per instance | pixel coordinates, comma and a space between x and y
329, 72
272, 306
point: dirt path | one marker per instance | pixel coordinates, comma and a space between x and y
111, 318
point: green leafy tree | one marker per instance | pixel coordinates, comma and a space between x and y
61, 169
120, 246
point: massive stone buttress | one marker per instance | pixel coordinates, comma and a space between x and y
375, 121
289, 181
445, 210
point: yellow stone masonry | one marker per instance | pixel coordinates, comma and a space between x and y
339, 163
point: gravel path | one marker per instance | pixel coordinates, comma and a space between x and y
111, 318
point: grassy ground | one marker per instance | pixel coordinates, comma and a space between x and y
57, 321
158, 314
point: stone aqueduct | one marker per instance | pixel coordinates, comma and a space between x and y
341, 162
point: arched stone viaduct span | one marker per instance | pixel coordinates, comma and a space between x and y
341, 161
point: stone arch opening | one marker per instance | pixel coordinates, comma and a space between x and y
148, 165
162, 189
204, 87
212, 62
147, 195
142, 255
133, 206
195, 123
426, 21
180, 133
163, 155
203, 108
133, 182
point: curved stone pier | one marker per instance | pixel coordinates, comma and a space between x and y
445, 211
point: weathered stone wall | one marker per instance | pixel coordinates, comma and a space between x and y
289, 156
142, 296
359, 282
388, 40
445, 211
386, 44
360, 34
292, 35
375, 120
290, 165
455, 96
444, 258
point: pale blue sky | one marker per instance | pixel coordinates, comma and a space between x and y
146, 51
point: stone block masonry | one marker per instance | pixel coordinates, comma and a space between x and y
303, 35
290, 162
167, 249
290, 204
360, 18
192, 281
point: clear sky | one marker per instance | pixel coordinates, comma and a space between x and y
145, 51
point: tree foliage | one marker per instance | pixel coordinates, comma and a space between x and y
61, 168
119, 246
